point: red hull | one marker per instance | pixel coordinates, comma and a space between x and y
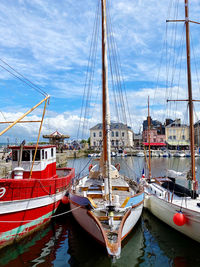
26, 204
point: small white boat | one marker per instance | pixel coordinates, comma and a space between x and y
140, 154
179, 154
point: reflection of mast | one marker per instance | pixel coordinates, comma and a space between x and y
149, 125
105, 103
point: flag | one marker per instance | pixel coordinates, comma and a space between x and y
143, 175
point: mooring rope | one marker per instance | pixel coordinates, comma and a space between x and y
54, 216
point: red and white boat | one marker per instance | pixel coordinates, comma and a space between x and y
32, 191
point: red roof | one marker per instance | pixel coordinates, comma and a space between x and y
154, 144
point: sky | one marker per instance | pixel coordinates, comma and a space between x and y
48, 42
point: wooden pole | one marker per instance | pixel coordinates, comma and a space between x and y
190, 100
149, 128
38, 138
24, 115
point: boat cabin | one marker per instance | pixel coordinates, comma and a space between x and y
43, 167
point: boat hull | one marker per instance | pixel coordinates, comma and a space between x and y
27, 204
92, 226
165, 211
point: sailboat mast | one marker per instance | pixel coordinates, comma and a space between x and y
190, 100
149, 124
105, 102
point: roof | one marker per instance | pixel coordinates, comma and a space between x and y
154, 144
178, 143
113, 125
31, 147
56, 134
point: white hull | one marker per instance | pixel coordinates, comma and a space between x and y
165, 210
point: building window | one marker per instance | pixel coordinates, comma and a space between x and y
174, 137
113, 142
112, 134
94, 134
94, 143
117, 134
100, 134
154, 140
161, 139
170, 137
183, 137
117, 142
122, 134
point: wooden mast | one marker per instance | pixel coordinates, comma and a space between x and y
190, 100
105, 104
149, 125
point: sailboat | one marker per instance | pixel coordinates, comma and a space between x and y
104, 202
176, 205
31, 193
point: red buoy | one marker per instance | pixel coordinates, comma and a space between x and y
179, 219
65, 200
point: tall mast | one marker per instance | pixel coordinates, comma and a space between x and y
149, 125
105, 103
190, 100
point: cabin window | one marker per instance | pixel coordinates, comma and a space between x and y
26, 155
14, 155
52, 152
45, 154
37, 157
42, 154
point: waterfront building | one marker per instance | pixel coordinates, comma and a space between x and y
177, 135
121, 136
156, 132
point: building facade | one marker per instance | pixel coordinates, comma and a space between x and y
121, 136
156, 133
177, 134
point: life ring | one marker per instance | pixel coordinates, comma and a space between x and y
90, 167
117, 166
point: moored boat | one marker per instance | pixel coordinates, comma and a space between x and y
28, 202
105, 203
177, 205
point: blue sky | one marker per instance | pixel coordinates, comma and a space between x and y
48, 42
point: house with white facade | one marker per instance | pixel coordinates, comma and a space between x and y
121, 136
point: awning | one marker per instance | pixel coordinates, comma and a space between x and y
178, 143
154, 144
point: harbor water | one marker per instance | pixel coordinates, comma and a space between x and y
62, 242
